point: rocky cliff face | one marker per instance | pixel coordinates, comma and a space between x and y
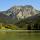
21, 12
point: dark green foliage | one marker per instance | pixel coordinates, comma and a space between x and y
30, 23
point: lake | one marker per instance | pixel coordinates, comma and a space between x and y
19, 35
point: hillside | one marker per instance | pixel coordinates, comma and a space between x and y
32, 22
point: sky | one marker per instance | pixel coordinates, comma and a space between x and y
6, 4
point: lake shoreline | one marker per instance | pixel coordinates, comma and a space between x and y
20, 31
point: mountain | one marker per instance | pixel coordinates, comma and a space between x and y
3, 16
17, 13
21, 16
21, 12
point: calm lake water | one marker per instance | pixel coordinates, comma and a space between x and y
19, 35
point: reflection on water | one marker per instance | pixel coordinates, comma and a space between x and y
19, 35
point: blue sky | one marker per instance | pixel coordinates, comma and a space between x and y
6, 4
